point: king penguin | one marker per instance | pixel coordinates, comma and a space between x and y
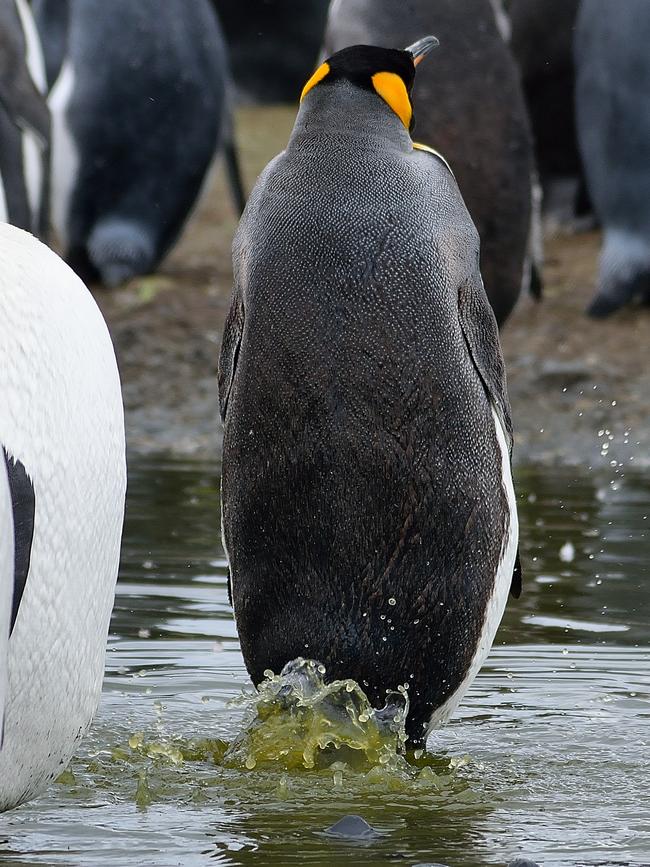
368, 509
139, 96
62, 487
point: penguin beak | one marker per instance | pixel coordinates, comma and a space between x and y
422, 47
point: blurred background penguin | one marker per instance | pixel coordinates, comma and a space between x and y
24, 121
139, 95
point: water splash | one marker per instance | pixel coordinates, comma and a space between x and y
300, 738
296, 721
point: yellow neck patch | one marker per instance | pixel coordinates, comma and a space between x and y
319, 75
392, 90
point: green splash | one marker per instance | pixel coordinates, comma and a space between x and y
297, 721
301, 738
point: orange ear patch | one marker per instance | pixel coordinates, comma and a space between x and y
392, 90
319, 75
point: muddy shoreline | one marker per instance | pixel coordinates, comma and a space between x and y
579, 388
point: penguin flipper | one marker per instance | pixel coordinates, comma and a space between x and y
481, 335
233, 171
20, 97
515, 587
232, 334
23, 504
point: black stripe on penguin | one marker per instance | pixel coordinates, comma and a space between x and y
23, 503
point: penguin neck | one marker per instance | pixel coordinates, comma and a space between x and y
344, 111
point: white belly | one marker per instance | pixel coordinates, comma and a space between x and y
62, 418
497, 602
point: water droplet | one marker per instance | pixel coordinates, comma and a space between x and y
567, 552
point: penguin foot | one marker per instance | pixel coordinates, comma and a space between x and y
604, 305
120, 250
624, 272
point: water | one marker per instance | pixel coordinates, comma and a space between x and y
548, 756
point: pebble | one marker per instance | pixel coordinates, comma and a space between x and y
352, 828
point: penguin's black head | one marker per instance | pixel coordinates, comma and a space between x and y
388, 72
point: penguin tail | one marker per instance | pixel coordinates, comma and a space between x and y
120, 249
233, 172
536, 286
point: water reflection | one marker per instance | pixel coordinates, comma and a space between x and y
555, 728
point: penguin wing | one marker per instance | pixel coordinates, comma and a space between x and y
23, 507
481, 335
232, 334
19, 95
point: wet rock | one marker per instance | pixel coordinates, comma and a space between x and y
352, 828
522, 862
